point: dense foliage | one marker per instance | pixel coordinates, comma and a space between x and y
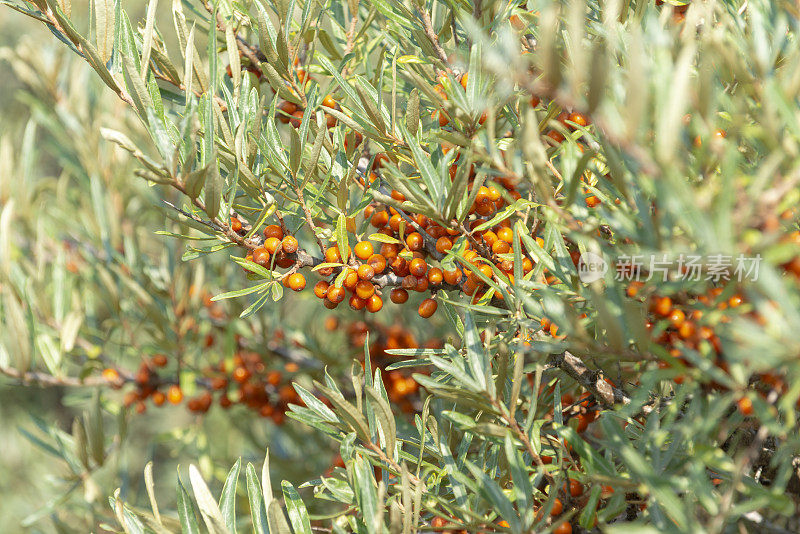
475, 267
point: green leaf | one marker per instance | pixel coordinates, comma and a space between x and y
227, 501
258, 510
386, 419
186, 512
212, 516
298, 515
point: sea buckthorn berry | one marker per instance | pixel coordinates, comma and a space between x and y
261, 257
556, 136
363, 250
159, 398
397, 195
745, 406
443, 244
414, 241
563, 528
365, 289
174, 394
379, 219
159, 360
296, 282
288, 108
677, 318
374, 303
435, 276
329, 102
236, 225
422, 284
296, 118
350, 279
427, 308
579, 119
557, 508
417, 267
464, 78
321, 289
399, 266
398, 295
357, 303
663, 306
335, 294
441, 117
241, 374
409, 282
365, 271
394, 223
489, 237
505, 234
574, 488
331, 323
592, 201
377, 262
272, 244
332, 255
500, 247
453, 276
290, 244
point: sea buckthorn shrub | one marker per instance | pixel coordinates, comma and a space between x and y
519, 266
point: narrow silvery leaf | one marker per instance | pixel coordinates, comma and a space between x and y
104, 28
147, 39
213, 191
151, 493
212, 516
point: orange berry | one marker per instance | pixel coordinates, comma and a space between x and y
159, 398
557, 508
335, 294
663, 306
578, 119
332, 255
575, 488
418, 267
464, 79
174, 394
159, 360
435, 276
377, 262
351, 279
443, 244
414, 241
563, 528
321, 289
288, 108
365, 271
331, 323
398, 295
500, 247
452, 277
363, 250
374, 303
111, 375
272, 244
296, 282
592, 201
329, 102
357, 303
261, 257
379, 219
745, 406
365, 289
427, 308
290, 244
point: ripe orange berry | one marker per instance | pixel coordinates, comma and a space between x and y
365, 289
417, 267
296, 282
452, 277
329, 102
351, 279
563, 528
290, 244
677, 318
535, 101
578, 119
422, 284
427, 308
374, 303
261, 257
663, 306
575, 488
272, 244
500, 247
592, 201
365, 271
335, 294
435, 276
321, 289
332, 255
111, 375
745, 406
331, 323
287, 108
159, 360
174, 394
443, 244
464, 79
398, 295
357, 303
557, 508
159, 398
377, 262
241, 374
379, 219
414, 241
363, 250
